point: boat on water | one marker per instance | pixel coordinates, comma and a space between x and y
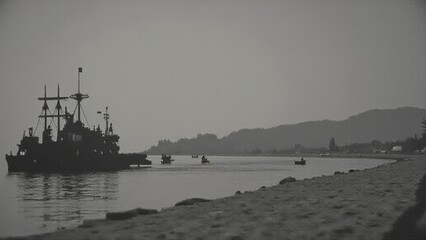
76, 148
204, 160
300, 162
194, 155
166, 159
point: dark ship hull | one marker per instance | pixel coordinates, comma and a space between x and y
93, 163
301, 162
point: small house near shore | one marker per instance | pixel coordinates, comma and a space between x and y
397, 149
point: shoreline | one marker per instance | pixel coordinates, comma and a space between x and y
356, 205
387, 156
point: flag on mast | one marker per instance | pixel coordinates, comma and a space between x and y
80, 69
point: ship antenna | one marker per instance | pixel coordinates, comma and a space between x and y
80, 70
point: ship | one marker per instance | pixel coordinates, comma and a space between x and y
166, 159
204, 160
76, 147
300, 162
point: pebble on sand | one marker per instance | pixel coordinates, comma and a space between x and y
129, 214
288, 180
191, 201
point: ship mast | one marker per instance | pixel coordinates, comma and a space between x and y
46, 108
79, 96
58, 108
108, 129
106, 117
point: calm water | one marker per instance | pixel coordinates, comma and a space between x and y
35, 203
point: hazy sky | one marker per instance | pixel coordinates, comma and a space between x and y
171, 69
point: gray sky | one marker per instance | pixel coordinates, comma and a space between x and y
171, 69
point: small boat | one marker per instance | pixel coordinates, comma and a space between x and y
204, 160
300, 162
166, 159
194, 155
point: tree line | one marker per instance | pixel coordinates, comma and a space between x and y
210, 144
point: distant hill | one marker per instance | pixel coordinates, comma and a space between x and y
378, 124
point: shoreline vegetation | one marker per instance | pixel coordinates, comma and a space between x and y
373, 131
384, 202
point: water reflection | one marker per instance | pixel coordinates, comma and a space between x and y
56, 200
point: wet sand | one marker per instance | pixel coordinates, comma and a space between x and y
355, 205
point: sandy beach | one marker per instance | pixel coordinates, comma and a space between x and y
356, 205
